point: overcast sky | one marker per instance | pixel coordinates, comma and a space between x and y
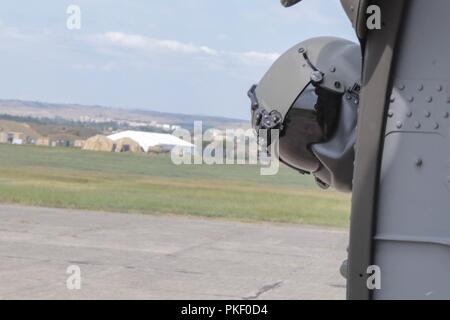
188, 56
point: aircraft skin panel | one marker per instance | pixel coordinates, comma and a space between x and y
379, 56
412, 271
412, 228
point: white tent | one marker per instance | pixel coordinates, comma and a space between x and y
151, 139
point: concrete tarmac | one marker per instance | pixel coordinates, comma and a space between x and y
132, 256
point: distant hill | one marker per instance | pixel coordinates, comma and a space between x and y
77, 112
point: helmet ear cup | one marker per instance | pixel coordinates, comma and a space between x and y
312, 120
319, 137
328, 107
337, 155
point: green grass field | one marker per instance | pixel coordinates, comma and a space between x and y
70, 178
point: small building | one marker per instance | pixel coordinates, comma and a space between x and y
149, 140
3, 137
127, 145
100, 143
60, 143
157, 150
79, 144
16, 138
43, 142
17, 141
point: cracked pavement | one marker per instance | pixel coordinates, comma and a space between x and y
132, 256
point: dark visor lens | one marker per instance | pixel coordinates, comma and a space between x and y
301, 129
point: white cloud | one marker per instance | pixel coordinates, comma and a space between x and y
258, 57
155, 45
152, 44
9, 33
94, 67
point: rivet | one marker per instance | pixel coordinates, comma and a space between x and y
409, 114
333, 69
429, 99
417, 125
436, 126
427, 114
399, 125
316, 77
448, 99
401, 87
337, 85
446, 115
411, 99
390, 113
439, 88
301, 50
420, 87
392, 99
